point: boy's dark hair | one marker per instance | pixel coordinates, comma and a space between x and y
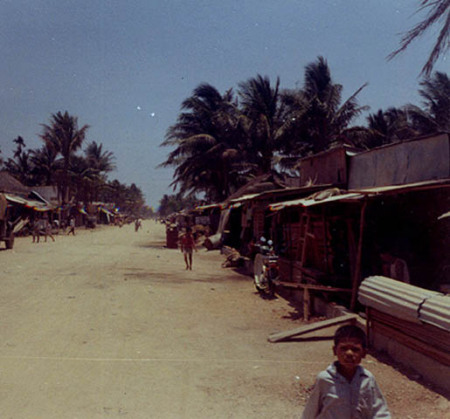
350, 331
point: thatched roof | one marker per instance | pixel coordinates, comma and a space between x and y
10, 184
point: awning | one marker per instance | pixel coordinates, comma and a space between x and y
316, 200
407, 187
205, 207
244, 198
321, 197
106, 211
28, 203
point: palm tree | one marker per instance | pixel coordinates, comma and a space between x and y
260, 105
128, 199
100, 163
21, 166
99, 160
385, 127
438, 11
434, 116
46, 166
316, 112
65, 137
206, 142
82, 179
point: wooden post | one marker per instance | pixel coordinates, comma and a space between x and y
306, 304
357, 272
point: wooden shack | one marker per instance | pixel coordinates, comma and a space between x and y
334, 238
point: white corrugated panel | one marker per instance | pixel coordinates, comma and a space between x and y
436, 311
393, 297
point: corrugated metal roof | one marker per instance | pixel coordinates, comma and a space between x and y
244, 198
310, 201
393, 297
355, 195
436, 311
30, 203
377, 190
210, 206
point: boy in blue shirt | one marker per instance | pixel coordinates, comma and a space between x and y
346, 390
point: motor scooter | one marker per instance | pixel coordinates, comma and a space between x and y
265, 268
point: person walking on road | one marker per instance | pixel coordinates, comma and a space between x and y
187, 244
48, 229
71, 226
36, 230
137, 225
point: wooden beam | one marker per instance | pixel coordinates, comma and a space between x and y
314, 287
276, 337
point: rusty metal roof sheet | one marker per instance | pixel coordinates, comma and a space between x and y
436, 311
29, 203
394, 297
407, 187
310, 201
356, 195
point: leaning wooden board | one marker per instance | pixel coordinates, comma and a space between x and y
276, 337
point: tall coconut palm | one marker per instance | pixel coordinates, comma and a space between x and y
46, 166
319, 116
21, 166
260, 104
82, 179
100, 163
99, 160
438, 13
385, 127
206, 144
434, 115
64, 135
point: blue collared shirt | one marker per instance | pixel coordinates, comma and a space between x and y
333, 397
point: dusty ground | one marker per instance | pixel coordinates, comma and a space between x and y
108, 324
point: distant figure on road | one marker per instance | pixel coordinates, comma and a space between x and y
36, 231
48, 230
187, 244
71, 226
137, 225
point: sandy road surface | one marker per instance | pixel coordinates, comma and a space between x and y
108, 324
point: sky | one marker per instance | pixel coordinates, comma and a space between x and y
124, 67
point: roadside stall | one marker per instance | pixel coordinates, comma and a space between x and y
334, 238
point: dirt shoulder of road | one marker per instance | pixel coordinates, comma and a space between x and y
108, 323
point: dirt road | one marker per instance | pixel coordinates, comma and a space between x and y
108, 324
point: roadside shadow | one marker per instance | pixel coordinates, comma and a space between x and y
266, 296
306, 339
152, 245
408, 372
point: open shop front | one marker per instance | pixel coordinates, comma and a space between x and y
331, 240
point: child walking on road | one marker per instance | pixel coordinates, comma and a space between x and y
187, 245
346, 389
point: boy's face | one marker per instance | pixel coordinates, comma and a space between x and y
349, 352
